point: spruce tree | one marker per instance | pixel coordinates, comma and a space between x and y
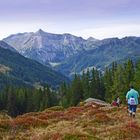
137, 77
77, 91
86, 85
108, 83
11, 102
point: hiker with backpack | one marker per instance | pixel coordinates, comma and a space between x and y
132, 97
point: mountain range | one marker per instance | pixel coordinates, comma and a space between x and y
47, 47
15, 69
70, 54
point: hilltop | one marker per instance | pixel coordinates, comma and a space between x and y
75, 123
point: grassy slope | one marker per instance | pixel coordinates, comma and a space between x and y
75, 123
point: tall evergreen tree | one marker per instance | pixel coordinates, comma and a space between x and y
11, 102
77, 91
95, 85
137, 76
118, 88
108, 83
86, 84
129, 72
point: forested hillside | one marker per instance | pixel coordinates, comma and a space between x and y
106, 86
22, 100
115, 81
23, 71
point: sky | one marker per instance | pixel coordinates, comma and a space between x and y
86, 18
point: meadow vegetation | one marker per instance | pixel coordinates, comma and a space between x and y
74, 123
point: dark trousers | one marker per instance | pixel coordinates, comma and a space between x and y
132, 108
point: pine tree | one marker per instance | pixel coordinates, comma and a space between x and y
46, 97
108, 83
96, 85
102, 88
29, 100
77, 91
63, 94
129, 72
114, 68
137, 77
93, 84
118, 88
11, 102
86, 85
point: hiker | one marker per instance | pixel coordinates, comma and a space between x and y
132, 97
116, 101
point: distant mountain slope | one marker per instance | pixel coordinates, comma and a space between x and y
47, 47
69, 54
103, 55
21, 70
6, 46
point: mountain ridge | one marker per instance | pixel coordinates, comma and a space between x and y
39, 43
69, 54
7, 46
103, 55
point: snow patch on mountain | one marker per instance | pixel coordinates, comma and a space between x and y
54, 64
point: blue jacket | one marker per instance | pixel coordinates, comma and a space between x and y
132, 93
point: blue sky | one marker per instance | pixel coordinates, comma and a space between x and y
96, 18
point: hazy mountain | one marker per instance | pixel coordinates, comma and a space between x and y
16, 69
69, 54
47, 47
103, 55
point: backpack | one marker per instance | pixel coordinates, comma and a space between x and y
132, 101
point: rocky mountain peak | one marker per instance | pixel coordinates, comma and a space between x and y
44, 46
40, 31
92, 39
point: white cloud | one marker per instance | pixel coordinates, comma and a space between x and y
7, 29
119, 30
99, 32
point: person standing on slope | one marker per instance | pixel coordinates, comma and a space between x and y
132, 97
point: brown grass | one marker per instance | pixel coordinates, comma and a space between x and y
75, 123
